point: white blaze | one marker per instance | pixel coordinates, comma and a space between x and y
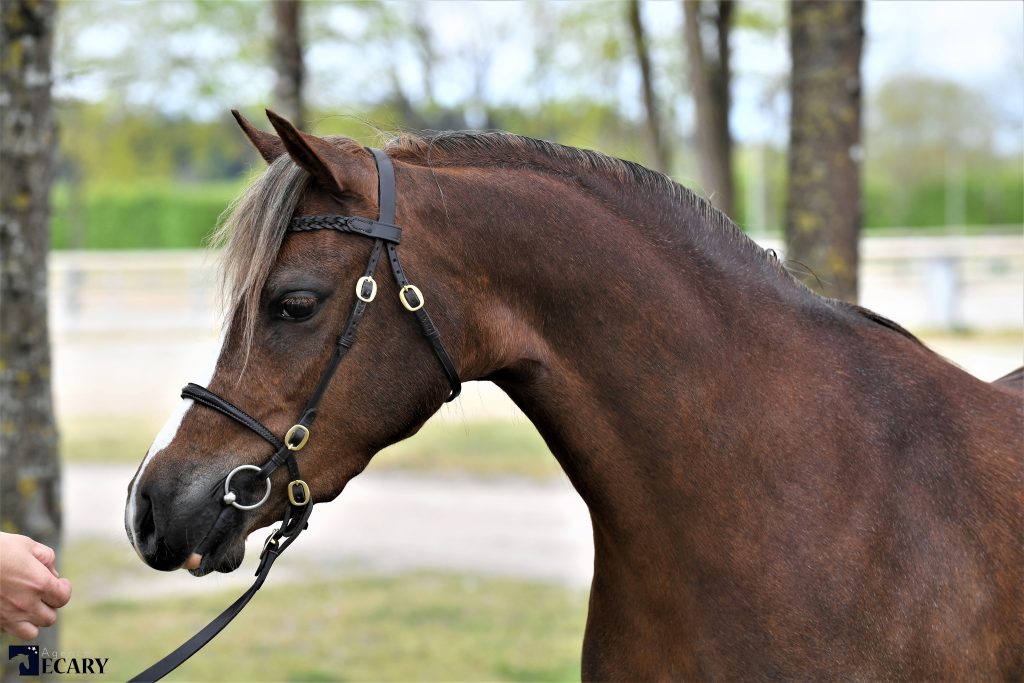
163, 439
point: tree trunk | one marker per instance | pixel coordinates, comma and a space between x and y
29, 464
659, 146
823, 207
710, 81
288, 64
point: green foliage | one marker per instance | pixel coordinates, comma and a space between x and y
160, 214
579, 123
760, 177
992, 197
102, 145
934, 157
148, 215
134, 178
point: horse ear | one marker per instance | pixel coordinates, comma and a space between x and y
269, 146
334, 168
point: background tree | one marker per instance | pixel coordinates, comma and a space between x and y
938, 154
288, 63
706, 32
30, 486
153, 140
655, 135
823, 207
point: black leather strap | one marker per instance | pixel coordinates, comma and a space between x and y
282, 456
345, 340
211, 400
387, 188
288, 531
354, 224
384, 231
427, 326
386, 193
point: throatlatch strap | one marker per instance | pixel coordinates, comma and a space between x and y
386, 190
428, 328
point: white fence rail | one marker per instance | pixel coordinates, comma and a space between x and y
936, 283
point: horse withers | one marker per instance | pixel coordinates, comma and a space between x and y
780, 485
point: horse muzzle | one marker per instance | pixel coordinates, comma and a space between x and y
165, 525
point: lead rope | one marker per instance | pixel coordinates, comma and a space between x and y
300, 504
271, 551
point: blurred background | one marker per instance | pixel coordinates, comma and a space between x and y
428, 567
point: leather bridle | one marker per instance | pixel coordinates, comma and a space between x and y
386, 236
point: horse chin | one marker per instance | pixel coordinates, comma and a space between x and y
223, 548
224, 558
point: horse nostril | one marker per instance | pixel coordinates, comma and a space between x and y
155, 537
145, 524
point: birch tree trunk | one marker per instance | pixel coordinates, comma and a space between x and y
288, 62
655, 134
710, 82
29, 464
823, 207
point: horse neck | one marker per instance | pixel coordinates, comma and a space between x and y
620, 327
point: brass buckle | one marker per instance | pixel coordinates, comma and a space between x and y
305, 492
359, 288
415, 290
302, 441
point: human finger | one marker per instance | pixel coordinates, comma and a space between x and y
57, 592
44, 554
23, 629
43, 615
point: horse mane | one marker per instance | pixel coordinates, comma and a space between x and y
252, 229
483, 148
508, 150
879, 319
496, 148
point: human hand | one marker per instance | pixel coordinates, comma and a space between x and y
31, 590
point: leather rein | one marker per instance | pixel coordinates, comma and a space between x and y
386, 236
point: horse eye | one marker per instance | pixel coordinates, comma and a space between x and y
297, 307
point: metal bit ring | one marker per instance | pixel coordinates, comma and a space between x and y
231, 498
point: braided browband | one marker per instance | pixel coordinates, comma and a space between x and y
353, 224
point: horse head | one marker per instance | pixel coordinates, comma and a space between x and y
292, 295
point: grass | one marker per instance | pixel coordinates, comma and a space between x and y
477, 448
406, 627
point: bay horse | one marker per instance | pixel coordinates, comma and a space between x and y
781, 485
